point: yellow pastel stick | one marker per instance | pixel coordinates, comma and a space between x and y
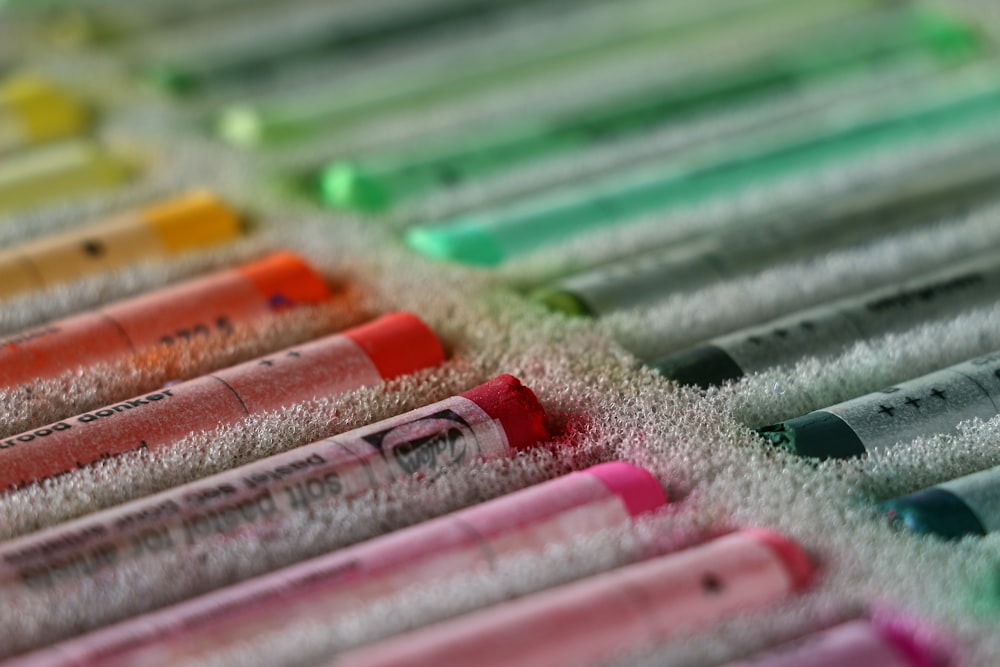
163, 229
33, 110
49, 173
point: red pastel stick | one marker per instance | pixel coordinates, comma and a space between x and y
385, 348
207, 307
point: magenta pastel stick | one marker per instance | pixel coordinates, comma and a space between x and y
857, 643
588, 621
494, 419
600, 497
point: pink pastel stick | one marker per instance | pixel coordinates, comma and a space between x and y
858, 643
600, 497
497, 418
587, 621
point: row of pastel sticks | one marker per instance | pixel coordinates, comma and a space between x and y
611, 611
74, 565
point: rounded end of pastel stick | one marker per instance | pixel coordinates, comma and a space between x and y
398, 344
463, 243
919, 645
950, 38
48, 111
933, 511
241, 125
170, 79
192, 220
820, 435
562, 301
639, 490
287, 280
703, 366
346, 185
794, 558
515, 406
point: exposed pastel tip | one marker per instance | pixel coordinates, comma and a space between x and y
515, 406
637, 487
398, 344
793, 556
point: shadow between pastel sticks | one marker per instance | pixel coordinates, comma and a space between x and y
930, 404
831, 327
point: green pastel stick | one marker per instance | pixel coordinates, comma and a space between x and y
490, 237
325, 34
661, 29
375, 184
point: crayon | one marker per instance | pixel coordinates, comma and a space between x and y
490, 237
33, 110
377, 183
968, 505
583, 622
858, 643
666, 31
390, 346
159, 230
64, 169
948, 188
832, 327
498, 418
207, 307
601, 497
930, 404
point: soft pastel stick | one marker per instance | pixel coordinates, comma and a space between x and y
33, 110
587, 621
329, 586
390, 346
667, 32
313, 30
832, 327
65, 169
164, 229
857, 643
498, 418
756, 242
379, 182
206, 307
968, 505
492, 236
934, 403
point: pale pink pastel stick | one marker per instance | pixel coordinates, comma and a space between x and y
497, 418
600, 497
858, 643
587, 621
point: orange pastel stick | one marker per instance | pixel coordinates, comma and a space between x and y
392, 345
208, 307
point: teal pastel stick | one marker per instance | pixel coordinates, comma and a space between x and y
491, 237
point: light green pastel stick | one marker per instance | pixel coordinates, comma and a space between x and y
377, 183
492, 236
432, 80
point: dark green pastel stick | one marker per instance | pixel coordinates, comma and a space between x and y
379, 182
325, 39
945, 188
668, 33
965, 506
934, 403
